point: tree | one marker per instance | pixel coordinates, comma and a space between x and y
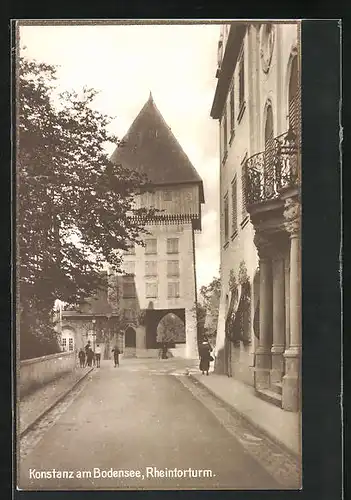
74, 207
211, 295
171, 329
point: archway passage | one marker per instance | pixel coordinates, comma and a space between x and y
171, 329
130, 337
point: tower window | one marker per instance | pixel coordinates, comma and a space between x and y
172, 245
151, 290
151, 268
173, 268
151, 246
167, 195
173, 290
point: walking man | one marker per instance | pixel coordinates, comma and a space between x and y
81, 356
116, 353
98, 355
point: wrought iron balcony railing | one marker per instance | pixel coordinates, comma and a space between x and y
268, 172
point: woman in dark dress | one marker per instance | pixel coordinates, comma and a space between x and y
205, 357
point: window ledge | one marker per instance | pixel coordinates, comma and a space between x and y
245, 221
232, 135
226, 245
241, 111
174, 253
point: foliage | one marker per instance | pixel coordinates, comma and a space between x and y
211, 295
238, 322
171, 329
200, 313
73, 204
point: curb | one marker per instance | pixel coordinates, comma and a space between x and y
51, 405
249, 421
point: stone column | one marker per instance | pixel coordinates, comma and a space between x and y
278, 346
287, 299
263, 351
291, 379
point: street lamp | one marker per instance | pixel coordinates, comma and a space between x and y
94, 333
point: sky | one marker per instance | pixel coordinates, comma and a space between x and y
177, 63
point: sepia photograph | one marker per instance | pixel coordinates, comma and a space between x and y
158, 254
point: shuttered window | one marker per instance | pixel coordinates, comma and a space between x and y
151, 290
173, 289
151, 246
294, 98
172, 245
151, 268
241, 82
232, 111
173, 268
226, 218
234, 206
243, 188
269, 155
224, 135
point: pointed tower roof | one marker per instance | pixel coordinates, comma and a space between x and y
149, 147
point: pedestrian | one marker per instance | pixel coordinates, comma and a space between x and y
205, 357
116, 353
98, 355
90, 356
81, 356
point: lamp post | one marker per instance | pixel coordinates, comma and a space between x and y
94, 333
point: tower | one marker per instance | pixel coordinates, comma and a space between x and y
160, 281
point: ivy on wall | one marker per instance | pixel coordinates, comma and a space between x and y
238, 320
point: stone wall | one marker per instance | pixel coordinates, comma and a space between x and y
36, 372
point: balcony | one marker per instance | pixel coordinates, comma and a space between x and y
269, 172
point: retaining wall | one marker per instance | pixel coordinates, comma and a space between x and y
36, 372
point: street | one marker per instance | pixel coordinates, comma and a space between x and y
140, 420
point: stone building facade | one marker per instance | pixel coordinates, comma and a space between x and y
257, 104
159, 284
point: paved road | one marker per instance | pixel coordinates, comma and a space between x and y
139, 418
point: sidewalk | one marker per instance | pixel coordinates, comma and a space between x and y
279, 425
34, 405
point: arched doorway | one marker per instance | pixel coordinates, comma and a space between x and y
130, 337
269, 153
130, 342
